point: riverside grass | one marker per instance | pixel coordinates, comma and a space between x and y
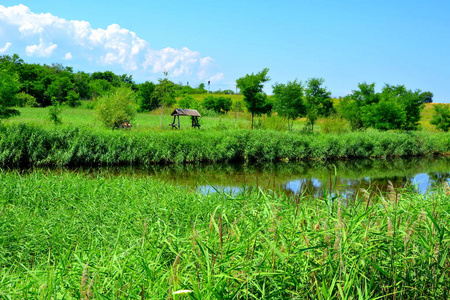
68, 236
27, 145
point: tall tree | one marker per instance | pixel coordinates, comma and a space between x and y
318, 100
289, 101
255, 99
165, 94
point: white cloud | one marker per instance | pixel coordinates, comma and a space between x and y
4, 49
68, 56
45, 35
41, 50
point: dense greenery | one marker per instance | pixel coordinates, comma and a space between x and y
441, 117
67, 236
394, 107
289, 101
25, 145
218, 104
255, 99
116, 107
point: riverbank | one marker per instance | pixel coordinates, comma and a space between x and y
70, 236
27, 145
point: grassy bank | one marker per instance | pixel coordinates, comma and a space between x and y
25, 145
64, 236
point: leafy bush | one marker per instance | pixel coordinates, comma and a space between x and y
54, 113
115, 107
441, 117
189, 102
24, 99
220, 104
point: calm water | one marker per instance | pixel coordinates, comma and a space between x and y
311, 177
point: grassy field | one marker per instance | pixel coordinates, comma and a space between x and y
151, 121
68, 236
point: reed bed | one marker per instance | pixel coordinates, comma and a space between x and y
27, 145
67, 236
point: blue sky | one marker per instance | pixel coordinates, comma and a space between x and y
344, 42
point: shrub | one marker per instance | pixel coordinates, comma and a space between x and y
441, 117
115, 107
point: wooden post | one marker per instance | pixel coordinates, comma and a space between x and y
178, 122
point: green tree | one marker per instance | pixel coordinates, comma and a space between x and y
441, 117
116, 106
220, 104
384, 115
411, 102
289, 102
146, 100
351, 106
318, 100
62, 90
427, 97
164, 94
9, 87
255, 99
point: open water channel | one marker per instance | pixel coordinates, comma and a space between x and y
307, 177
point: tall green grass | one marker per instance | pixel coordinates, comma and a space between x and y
27, 145
64, 236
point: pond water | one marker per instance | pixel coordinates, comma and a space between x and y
307, 177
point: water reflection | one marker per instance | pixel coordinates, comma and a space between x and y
308, 177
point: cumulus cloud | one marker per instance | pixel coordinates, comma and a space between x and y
5, 48
68, 56
45, 35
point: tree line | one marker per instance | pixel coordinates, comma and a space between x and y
395, 107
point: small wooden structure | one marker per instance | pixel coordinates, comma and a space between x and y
194, 114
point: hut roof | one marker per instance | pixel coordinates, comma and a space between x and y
185, 112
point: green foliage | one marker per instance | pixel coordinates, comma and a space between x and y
116, 106
34, 146
99, 87
219, 104
441, 117
9, 87
54, 113
189, 102
384, 115
318, 100
146, 100
394, 107
289, 100
24, 99
427, 97
255, 99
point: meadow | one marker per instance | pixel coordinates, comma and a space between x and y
70, 236
84, 116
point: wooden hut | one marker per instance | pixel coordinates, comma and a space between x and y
194, 114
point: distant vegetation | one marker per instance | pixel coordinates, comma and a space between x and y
394, 108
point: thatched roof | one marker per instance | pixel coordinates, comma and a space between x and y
185, 112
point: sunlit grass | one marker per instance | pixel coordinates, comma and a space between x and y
73, 237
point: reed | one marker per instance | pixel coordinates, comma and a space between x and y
72, 236
27, 145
